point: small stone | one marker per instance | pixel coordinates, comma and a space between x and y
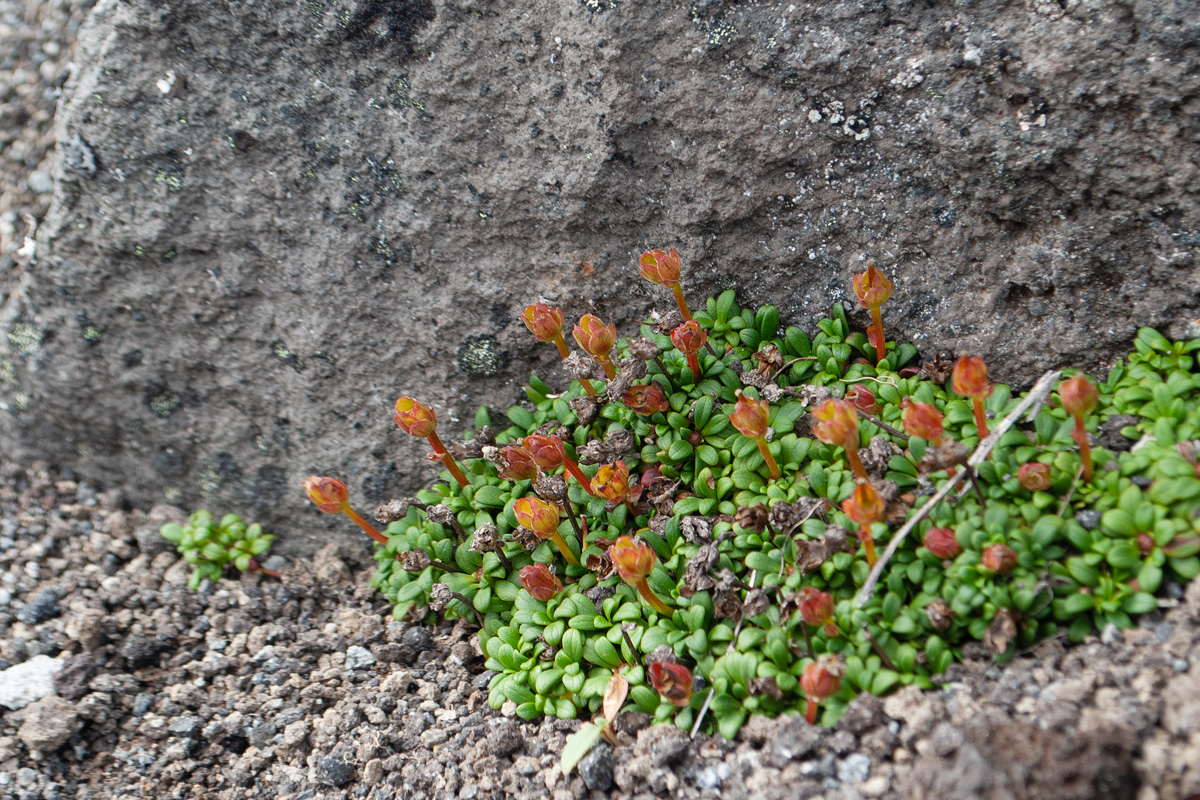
42, 607
854, 768
48, 724
505, 738
74, 679
596, 768
142, 703
28, 682
415, 641
334, 771
712, 777
373, 771
1088, 518
41, 182
668, 748
358, 657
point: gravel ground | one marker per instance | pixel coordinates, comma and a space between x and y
37, 39
119, 682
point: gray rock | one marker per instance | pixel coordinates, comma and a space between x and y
48, 724
505, 738
358, 657
886, 134
42, 607
185, 726
334, 771
596, 768
142, 703
28, 682
41, 182
854, 768
1088, 518
74, 680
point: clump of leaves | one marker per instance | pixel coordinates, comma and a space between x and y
757, 567
210, 545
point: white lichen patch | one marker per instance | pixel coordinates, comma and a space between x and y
911, 75
25, 339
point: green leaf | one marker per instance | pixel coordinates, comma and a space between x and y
1139, 603
767, 321
521, 418
577, 746
491, 496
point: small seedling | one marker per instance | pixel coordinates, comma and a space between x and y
209, 545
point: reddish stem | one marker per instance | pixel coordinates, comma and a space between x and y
577, 474
868, 541
606, 362
856, 463
1085, 448
770, 459
980, 418
650, 597
694, 366
683, 306
880, 342
810, 712
440, 451
367, 527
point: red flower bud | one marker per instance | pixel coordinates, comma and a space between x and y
822, 679
594, 337
865, 505
923, 420
970, 378
817, 608
646, 399
1078, 395
1146, 543
327, 494
672, 681
518, 464
661, 267
689, 337
999, 559
750, 416
539, 516
547, 451
942, 543
872, 288
539, 581
612, 482
415, 419
1034, 477
544, 322
837, 424
861, 398
633, 560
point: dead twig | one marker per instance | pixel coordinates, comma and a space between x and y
1037, 395
1066, 501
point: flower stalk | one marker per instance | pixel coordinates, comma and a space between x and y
663, 267
331, 496
751, 418
548, 452
634, 561
1079, 396
873, 290
970, 379
418, 419
837, 424
541, 517
546, 324
597, 340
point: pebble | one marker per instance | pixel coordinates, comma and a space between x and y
1088, 518
334, 771
712, 777
358, 657
142, 703
42, 607
28, 682
184, 726
596, 768
854, 768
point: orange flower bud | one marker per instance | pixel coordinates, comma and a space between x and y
415, 419
612, 482
1078, 395
999, 559
646, 399
327, 494
518, 464
547, 451
689, 337
837, 424
593, 336
539, 581
672, 681
970, 378
544, 322
923, 420
861, 398
872, 288
661, 267
942, 543
816, 607
750, 416
865, 505
822, 679
1034, 477
633, 560
539, 516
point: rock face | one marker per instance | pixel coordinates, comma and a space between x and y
274, 218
